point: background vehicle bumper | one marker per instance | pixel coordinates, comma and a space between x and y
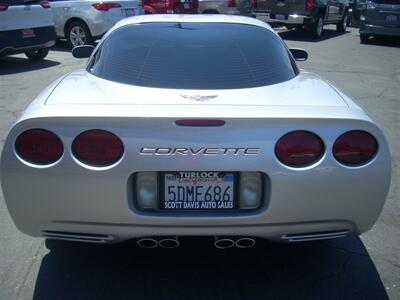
290, 19
379, 30
12, 42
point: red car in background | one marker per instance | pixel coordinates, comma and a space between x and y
170, 6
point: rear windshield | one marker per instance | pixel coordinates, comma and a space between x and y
193, 56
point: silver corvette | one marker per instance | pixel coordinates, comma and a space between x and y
194, 125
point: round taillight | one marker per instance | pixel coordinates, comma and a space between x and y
299, 148
97, 147
39, 146
355, 147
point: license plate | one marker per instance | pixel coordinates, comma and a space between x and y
280, 17
129, 12
198, 191
28, 33
391, 18
186, 5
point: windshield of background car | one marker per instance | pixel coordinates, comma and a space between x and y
193, 56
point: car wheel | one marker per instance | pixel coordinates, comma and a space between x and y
78, 34
37, 54
317, 29
342, 25
364, 38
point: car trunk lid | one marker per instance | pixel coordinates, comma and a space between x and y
306, 89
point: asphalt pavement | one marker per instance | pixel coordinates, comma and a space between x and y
366, 267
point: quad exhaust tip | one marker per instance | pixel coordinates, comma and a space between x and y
147, 243
169, 243
245, 242
223, 243
173, 242
242, 243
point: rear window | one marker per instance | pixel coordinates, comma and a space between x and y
193, 56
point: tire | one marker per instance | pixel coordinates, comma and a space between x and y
37, 54
364, 38
342, 25
78, 34
317, 29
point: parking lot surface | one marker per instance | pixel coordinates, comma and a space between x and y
351, 268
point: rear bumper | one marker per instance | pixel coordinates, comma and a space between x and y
13, 42
379, 30
289, 18
118, 232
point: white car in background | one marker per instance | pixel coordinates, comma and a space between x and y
82, 22
26, 27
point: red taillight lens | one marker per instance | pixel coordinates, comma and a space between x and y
253, 3
45, 4
299, 148
355, 147
3, 6
310, 5
97, 147
39, 146
104, 6
231, 3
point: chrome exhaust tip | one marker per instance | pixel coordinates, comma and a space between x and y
245, 242
147, 243
169, 243
223, 243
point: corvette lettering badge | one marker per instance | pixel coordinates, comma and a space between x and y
198, 151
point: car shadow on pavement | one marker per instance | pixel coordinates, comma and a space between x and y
301, 35
340, 269
15, 65
385, 41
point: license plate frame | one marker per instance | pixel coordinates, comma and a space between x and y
163, 187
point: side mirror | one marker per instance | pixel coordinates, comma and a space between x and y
82, 51
299, 54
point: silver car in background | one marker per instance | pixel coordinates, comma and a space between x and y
82, 22
227, 7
